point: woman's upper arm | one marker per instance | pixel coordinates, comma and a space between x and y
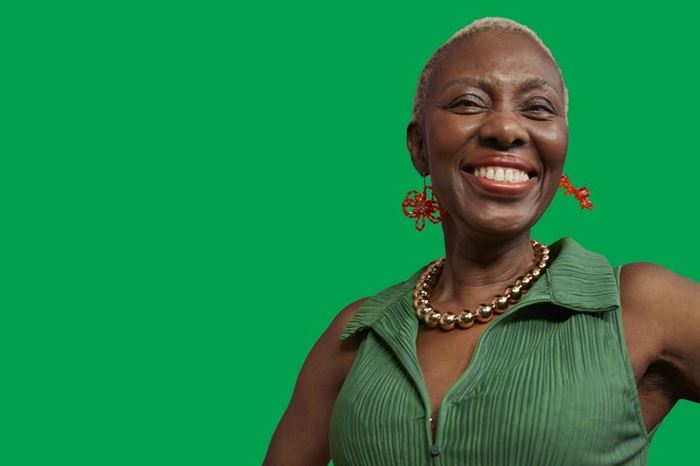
673, 304
301, 437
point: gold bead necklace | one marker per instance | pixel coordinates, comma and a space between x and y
432, 317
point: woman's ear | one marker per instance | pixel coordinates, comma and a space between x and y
414, 141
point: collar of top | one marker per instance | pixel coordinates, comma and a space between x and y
577, 279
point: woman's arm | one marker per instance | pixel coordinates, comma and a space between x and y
301, 438
673, 304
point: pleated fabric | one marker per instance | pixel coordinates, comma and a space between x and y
549, 383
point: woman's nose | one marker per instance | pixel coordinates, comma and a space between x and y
502, 130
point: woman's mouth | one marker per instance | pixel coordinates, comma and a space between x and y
499, 180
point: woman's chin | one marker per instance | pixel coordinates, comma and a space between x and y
504, 229
503, 222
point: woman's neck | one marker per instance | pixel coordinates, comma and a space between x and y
477, 267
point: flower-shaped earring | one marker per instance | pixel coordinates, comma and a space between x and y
423, 206
581, 194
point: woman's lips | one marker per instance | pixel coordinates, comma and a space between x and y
500, 188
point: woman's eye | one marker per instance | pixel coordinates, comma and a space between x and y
463, 103
540, 107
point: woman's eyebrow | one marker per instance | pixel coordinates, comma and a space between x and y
527, 85
476, 82
534, 83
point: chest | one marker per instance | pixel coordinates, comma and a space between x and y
512, 387
445, 357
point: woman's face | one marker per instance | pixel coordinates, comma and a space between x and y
494, 134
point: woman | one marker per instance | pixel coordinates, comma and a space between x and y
577, 362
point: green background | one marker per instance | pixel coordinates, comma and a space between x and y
191, 192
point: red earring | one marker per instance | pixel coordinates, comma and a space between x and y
581, 194
423, 205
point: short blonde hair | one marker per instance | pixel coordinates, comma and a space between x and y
490, 23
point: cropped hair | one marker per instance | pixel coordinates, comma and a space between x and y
490, 23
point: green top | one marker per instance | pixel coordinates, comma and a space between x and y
549, 383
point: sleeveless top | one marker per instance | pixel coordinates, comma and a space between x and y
549, 383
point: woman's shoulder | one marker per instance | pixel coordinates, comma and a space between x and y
342, 338
364, 312
339, 354
657, 292
343, 318
665, 307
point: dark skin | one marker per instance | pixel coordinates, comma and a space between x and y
487, 238
487, 242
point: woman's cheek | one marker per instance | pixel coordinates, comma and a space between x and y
449, 134
552, 144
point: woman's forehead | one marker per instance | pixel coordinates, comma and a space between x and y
498, 58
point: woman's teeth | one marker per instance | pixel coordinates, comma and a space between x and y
508, 175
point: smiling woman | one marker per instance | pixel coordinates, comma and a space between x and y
499, 106
506, 351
